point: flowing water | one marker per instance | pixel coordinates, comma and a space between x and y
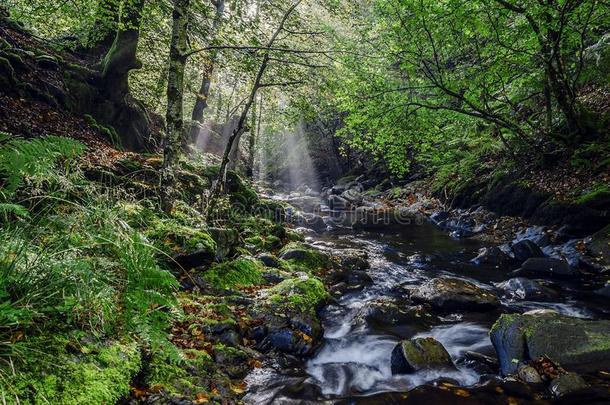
354, 358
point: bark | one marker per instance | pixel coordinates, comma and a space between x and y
254, 134
121, 58
175, 99
201, 103
219, 184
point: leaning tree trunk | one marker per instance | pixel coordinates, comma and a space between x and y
175, 96
254, 133
121, 58
201, 103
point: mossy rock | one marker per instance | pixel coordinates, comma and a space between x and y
241, 272
581, 345
413, 355
294, 236
101, 377
185, 378
598, 197
174, 238
302, 294
301, 255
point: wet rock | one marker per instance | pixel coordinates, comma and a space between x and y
525, 249
438, 218
353, 196
526, 289
233, 361
338, 203
351, 259
529, 374
396, 317
569, 251
413, 355
455, 294
306, 203
566, 384
304, 255
315, 222
544, 266
493, 256
577, 344
598, 246
536, 234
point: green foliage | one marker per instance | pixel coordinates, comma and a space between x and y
33, 161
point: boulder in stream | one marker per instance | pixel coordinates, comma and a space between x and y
417, 354
492, 256
546, 266
577, 344
566, 384
525, 289
525, 249
455, 294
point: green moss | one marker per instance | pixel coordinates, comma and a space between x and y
303, 294
172, 237
294, 236
186, 378
242, 272
599, 191
102, 377
310, 259
503, 321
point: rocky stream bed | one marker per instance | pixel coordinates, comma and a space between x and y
429, 308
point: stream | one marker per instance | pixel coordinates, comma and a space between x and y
353, 360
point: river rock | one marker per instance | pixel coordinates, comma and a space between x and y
306, 203
492, 256
353, 196
315, 222
455, 294
566, 384
338, 203
598, 246
526, 289
536, 234
545, 266
226, 239
417, 354
526, 249
529, 374
578, 344
351, 259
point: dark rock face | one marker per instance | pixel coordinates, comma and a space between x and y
453, 293
544, 266
351, 259
493, 256
577, 344
410, 356
526, 249
526, 289
306, 203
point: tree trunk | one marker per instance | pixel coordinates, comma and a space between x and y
201, 103
254, 133
121, 58
175, 96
